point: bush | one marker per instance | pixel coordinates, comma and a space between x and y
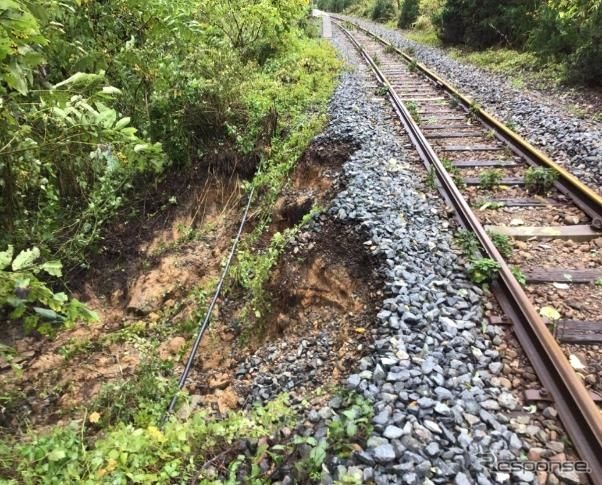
335, 5
383, 10
486, 23
571, 31
409, 13
423, 23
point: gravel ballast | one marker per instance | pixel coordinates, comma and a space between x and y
433, 370
568, 139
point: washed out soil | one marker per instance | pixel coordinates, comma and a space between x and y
142, 284
143, 268
325, 288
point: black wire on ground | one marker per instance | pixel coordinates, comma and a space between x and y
205, 322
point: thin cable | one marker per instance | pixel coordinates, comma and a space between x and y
205, 323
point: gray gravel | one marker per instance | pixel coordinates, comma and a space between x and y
433, 365
432, 372
566, 138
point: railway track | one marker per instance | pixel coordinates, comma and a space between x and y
504, 190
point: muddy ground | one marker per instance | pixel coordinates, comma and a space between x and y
151, 281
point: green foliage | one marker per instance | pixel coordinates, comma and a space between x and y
140, 400
335, 5
131, 454
24, 297
252, 270
409, 13
431, 178
383, 10
569, 31
454, 172
519, 275
351, 423
503, 244
92, 109
468, 242
485, 23
413, 110
490, 179
483, 271
540, 180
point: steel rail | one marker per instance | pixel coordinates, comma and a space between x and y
582, 195
577, 411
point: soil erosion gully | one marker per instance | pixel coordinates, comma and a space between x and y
476, 161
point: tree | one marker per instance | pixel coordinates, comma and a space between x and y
383, 10
484, 23
409, 13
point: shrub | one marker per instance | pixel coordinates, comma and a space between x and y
485, 23
383, 10
409, 13
571, 31
423, 22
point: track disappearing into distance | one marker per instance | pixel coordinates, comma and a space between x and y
446, 116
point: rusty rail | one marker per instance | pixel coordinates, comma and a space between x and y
577, 411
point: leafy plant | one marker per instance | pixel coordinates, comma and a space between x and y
468, 242
382, 10
454, 172
483, 271
413, 66
492, 204
503, 244
474, 110
490, 179
519, 275
409, 13
25, 297
414, 113
353, 422
540, 180
382, 90
431, 178
598, 282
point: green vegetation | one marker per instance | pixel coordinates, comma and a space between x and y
503, 244
540, 180
413, 110
546, 41
102, 102
490, 179
454, 171
409, 13
468, 242
483, 271
143, 453
25, 297
518, 275
383, 10
94, 111
127, 453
